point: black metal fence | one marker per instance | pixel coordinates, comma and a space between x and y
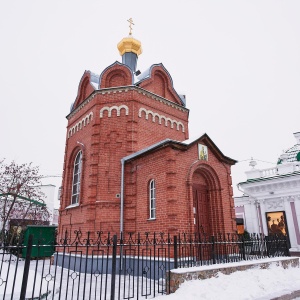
133, 266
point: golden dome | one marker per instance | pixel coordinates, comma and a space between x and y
130, 44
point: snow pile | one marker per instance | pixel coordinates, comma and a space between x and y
259, 284
8, 275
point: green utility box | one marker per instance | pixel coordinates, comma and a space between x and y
43, 240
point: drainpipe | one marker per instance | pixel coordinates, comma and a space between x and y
123, 160
122, 196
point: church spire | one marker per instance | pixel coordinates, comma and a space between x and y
130, 48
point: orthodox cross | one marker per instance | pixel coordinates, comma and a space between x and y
130, 25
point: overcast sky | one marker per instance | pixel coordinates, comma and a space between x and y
237, 62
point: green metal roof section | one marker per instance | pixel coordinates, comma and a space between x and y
24, 198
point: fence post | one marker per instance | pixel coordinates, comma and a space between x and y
213, 249
268, 245
244, 248
114, 268
287, 244
175, 253
26, 267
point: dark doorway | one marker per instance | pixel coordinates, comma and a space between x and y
201, 209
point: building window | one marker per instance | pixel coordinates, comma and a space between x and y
76, 178
152, 199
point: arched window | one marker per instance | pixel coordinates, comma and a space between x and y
152, 199
76, 178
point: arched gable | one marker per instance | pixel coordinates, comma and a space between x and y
207, 172
84, 89
115, 75
159, 81
204, 191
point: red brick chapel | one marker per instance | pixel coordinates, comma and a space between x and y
128, 166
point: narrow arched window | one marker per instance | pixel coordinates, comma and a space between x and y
76, 178
152, 199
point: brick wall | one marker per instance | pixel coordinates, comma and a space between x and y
119, 120
171, 170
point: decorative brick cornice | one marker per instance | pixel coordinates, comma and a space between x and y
79, 125
156, 116
125, 89
109, 109
160, 99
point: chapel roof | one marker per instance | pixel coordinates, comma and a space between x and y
183, 146
130, 48
137, 79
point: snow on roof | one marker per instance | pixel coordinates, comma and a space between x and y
192, 139
94, 80
292, 153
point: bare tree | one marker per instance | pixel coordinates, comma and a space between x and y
20, 194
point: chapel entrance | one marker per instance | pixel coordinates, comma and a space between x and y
201, 209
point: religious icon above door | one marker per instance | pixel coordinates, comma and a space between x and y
202, 152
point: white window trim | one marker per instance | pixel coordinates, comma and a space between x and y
152, 200
78, 183
72, 205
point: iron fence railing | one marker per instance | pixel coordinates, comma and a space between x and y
131, 266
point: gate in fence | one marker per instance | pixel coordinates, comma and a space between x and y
132, 266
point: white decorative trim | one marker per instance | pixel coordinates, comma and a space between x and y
277, 186
274, 204
82, 123
117, 108
72, 205
291, 198
156, 116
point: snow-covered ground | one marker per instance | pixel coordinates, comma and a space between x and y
259, 284
58, 283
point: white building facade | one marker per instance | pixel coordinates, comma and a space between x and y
49, 191
271, 200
